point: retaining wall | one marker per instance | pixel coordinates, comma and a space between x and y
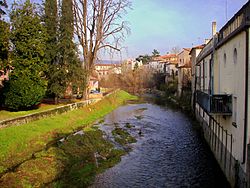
47, 113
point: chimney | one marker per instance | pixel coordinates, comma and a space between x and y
214, 28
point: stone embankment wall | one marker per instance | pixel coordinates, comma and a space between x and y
47, 113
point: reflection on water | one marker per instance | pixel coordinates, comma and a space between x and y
168, 153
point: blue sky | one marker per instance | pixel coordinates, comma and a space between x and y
163, 24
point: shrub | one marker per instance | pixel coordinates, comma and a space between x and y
170, 88
24, 92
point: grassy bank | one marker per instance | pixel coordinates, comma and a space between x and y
71, 163
18, 144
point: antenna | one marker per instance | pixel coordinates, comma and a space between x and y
226, 10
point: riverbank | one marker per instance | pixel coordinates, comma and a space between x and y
164, 98
34, 142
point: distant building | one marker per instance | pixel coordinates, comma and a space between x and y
184, 70
93, 83
164, 64
131, 64
195, 51
4, 74
103, 70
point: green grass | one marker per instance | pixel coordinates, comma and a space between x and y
18, 143
72, 163
122, 136
4, 114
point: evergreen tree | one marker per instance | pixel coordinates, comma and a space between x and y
4, 44
4, 37
155, 53
65, 69
55, 75
26, 86
51, 24
68, 58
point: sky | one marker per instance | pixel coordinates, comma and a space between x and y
164, 24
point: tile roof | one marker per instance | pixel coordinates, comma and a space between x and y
104, 64
197, 47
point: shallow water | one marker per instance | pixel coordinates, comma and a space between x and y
169, 153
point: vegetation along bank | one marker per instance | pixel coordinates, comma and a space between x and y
45, 152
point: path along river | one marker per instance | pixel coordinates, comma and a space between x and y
170, 152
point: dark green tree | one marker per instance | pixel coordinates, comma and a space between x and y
65, 69
4, 44
55, 73
27, 85
155, 53
51, 24
68, 57
145, 59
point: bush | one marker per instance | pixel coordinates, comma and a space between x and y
170, 88
24, 92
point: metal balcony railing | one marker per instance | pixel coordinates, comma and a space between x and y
215, 104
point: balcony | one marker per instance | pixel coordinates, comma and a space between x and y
220, 104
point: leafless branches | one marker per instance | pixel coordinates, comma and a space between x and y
99, 25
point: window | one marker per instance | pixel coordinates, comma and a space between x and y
225, 60
234, 111
205, 69
235, 56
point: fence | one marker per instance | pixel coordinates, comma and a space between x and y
221, 144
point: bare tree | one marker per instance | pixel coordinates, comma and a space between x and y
3, 3
99, 25
175, 50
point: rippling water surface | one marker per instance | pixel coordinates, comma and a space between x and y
169, 153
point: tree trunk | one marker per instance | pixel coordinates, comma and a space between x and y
56, 100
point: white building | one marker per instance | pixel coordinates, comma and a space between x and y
222, 96
104, 70
164, 64
131, 64
195, 51
184, 70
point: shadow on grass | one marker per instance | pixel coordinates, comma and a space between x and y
72, 162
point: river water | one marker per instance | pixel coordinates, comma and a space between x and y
169, 152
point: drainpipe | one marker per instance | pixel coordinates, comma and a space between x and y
246, 98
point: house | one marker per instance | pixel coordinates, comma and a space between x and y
93, 83
164, 64
130, 64
222, 96
4, 74
103, 70
184, 70
194, 52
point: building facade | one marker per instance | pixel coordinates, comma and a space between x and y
195, 51
184, 70
103, 70
164, 64
222, 96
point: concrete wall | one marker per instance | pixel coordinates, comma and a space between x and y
46, 113
205, 75
229, 78
229, 71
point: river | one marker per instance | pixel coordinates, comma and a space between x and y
169, 152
